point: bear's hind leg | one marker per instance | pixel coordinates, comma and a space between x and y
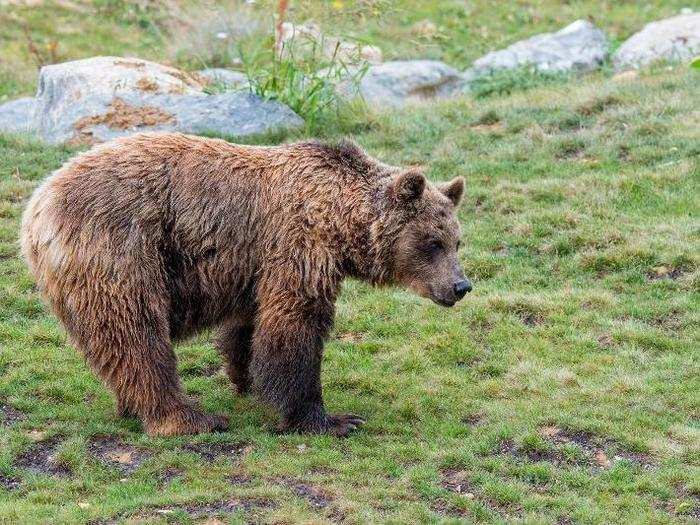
234, 342
145, 381
125, 340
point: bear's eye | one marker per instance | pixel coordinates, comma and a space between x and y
434, 246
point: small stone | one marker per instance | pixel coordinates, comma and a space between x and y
469, 495
301, 448
83, 504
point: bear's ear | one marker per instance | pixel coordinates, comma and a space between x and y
453, 190
408, 186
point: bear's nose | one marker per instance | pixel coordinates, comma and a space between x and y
462, 287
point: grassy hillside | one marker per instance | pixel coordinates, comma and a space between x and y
564, 389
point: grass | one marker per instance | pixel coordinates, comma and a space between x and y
563, 389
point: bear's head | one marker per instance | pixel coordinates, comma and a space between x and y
425, 237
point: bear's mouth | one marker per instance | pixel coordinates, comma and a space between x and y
443, 302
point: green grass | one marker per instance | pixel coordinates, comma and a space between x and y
581, 234
563, 389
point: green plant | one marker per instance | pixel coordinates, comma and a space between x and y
306, 85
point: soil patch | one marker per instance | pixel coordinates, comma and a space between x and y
456, 480
115, 453
665, 272
472, 420
239, 479
317, 497
42, 458
445, 508
10, 483
595, 452
10, 416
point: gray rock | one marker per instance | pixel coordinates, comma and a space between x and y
17, 116
580, 46
674, 39
97, 99
233, 114
402, 82
224, 78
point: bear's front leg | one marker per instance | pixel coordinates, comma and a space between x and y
286, 363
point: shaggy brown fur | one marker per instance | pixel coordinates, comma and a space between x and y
146, 240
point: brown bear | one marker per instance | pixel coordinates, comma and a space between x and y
146, 240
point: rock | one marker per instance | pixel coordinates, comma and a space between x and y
225, 78
675, 39
403, 82
96, 99
234, 114
580, 46
17, 116
304, 40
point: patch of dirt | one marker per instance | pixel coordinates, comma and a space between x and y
606, 341
115, 453
672, 321
211, 451
472, 420
169, 474
595, 450
194, 511
317, 497
623, 153
598, 105
239, 479
42, 458
665, 272
10, 416
571, 150
119, 115
147, 85
531, 319
445, 508
207, 510
9, 483
456, 480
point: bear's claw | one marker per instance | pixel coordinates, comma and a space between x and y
342, 424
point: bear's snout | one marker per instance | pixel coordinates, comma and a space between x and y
461, 288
